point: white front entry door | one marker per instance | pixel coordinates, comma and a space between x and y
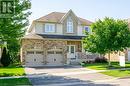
54, 58
71, 51
128, 55
34, 58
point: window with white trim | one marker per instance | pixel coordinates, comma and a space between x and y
50, 28
86, 28
70, 25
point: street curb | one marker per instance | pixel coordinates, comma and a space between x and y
12, 77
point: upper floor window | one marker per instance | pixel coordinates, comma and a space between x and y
86, 28
69, 25
50, 28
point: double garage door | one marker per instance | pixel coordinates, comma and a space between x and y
35, 58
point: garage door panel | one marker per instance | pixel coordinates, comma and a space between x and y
34, 58
54, 58
39, 52
58, 52
50, 52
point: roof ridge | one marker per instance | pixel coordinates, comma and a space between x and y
49, 14
57, 16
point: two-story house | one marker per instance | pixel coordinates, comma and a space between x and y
54, 39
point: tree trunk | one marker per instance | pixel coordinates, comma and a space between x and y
109, 59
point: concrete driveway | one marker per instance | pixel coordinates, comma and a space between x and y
70, 76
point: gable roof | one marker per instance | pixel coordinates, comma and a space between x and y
57, 16
51, 17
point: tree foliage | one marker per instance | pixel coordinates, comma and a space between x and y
5, 58
108, 36
12, 29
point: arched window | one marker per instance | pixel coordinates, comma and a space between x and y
69, 25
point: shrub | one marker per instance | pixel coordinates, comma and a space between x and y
5, 58
100, 60
86, 62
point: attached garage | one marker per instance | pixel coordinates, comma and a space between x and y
54, 58
34, 58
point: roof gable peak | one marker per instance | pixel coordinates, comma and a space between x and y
67, 14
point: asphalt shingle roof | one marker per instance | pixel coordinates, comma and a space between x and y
44, 36
61, 36
57, 16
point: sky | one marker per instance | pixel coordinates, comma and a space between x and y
88, 9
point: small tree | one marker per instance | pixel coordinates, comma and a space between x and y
107, 36
5, 58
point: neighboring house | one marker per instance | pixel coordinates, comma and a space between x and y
55, 40
115, 55
127, 52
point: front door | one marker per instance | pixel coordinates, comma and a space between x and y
71, 51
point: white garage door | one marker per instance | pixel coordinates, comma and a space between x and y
129, 55
54, 58
34, 58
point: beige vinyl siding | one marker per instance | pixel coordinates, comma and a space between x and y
75, 24
39, 28
33, 30
59, 29
80, 30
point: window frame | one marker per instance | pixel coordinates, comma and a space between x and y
69, 49
51, 28
69, 25
89, 30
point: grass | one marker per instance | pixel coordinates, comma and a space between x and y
118, 73
110, 72
13, 70
104, 66
15, 82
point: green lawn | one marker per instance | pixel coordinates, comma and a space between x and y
15, 82
104, 66
12, 70
118, 73
115, 65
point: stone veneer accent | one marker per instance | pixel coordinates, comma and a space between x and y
45, 45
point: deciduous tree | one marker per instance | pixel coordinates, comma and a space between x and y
108, 35
13, 28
